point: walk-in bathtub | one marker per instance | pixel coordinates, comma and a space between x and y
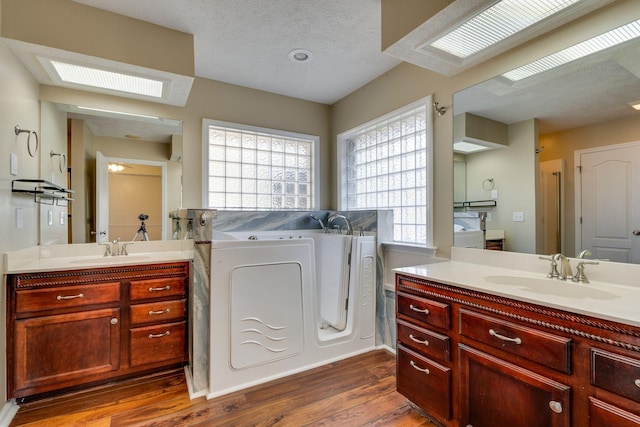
287, 301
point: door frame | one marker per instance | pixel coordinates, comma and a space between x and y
578, 183
102, 187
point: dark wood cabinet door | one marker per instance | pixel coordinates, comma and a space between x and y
64, 349
601, 414
495, 392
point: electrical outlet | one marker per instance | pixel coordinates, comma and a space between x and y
49, 217
494, 194
61, 218
518, 217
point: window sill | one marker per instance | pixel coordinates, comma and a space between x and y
409, 248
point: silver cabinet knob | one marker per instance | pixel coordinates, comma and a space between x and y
555, 406
114, 321
636, 232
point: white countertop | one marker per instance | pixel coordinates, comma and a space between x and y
90, 255
603, 299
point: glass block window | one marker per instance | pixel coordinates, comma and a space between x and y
258, 169
388, 166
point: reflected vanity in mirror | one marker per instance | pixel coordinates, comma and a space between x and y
572, 155
121, 166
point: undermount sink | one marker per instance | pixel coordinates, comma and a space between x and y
551, 287
109, 259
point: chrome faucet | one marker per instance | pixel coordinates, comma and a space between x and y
315, 218
584, 253
565, 267
343, 218
115, 247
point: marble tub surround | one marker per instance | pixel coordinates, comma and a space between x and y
205, 221
91, 255
612, 293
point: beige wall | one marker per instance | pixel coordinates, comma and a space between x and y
18, 106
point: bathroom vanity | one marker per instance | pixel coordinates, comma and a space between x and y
469, 354
70, 327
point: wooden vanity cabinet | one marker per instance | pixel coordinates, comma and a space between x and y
514, 363
71, 328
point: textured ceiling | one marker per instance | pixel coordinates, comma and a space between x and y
247, 42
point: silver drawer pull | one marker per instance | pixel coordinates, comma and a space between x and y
419, 310
419, 341
637, 382
503, 338
555, 406
159, 335
158, 312
418, 368
164, 288
64, 297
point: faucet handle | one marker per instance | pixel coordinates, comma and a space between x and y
107, 248
554, 266
580, 276
123, 248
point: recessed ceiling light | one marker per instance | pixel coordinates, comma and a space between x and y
593, 45
496, 23
300, 55
104, 79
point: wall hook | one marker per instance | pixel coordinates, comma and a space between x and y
439, 110
62, 161
18, 131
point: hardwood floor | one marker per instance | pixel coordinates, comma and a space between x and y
359, 391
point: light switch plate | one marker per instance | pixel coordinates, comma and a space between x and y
61, 218
494, 194
13, 164
518, 217
19, 218
49, 217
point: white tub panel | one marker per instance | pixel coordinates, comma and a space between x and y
363, 276
266, 313
332, 267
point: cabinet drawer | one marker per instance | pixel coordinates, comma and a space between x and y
160, 311
67, 296
424, 382
602, 414
424, 310
158, 343
157, 288
537, 346
425, 342
615, 373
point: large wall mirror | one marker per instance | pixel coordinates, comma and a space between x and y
579, 114
124, 169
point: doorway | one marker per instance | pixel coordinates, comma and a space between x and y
122, 196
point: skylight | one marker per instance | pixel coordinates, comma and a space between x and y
496, 23
580, 50
110, 80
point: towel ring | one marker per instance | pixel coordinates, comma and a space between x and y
18, 131
62, 161
488, 184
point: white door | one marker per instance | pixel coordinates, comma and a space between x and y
610, 202
102, 198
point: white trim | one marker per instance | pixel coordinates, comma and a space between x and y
166, 231
7, 413
315, 168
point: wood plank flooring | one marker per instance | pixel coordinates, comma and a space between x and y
359, 391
